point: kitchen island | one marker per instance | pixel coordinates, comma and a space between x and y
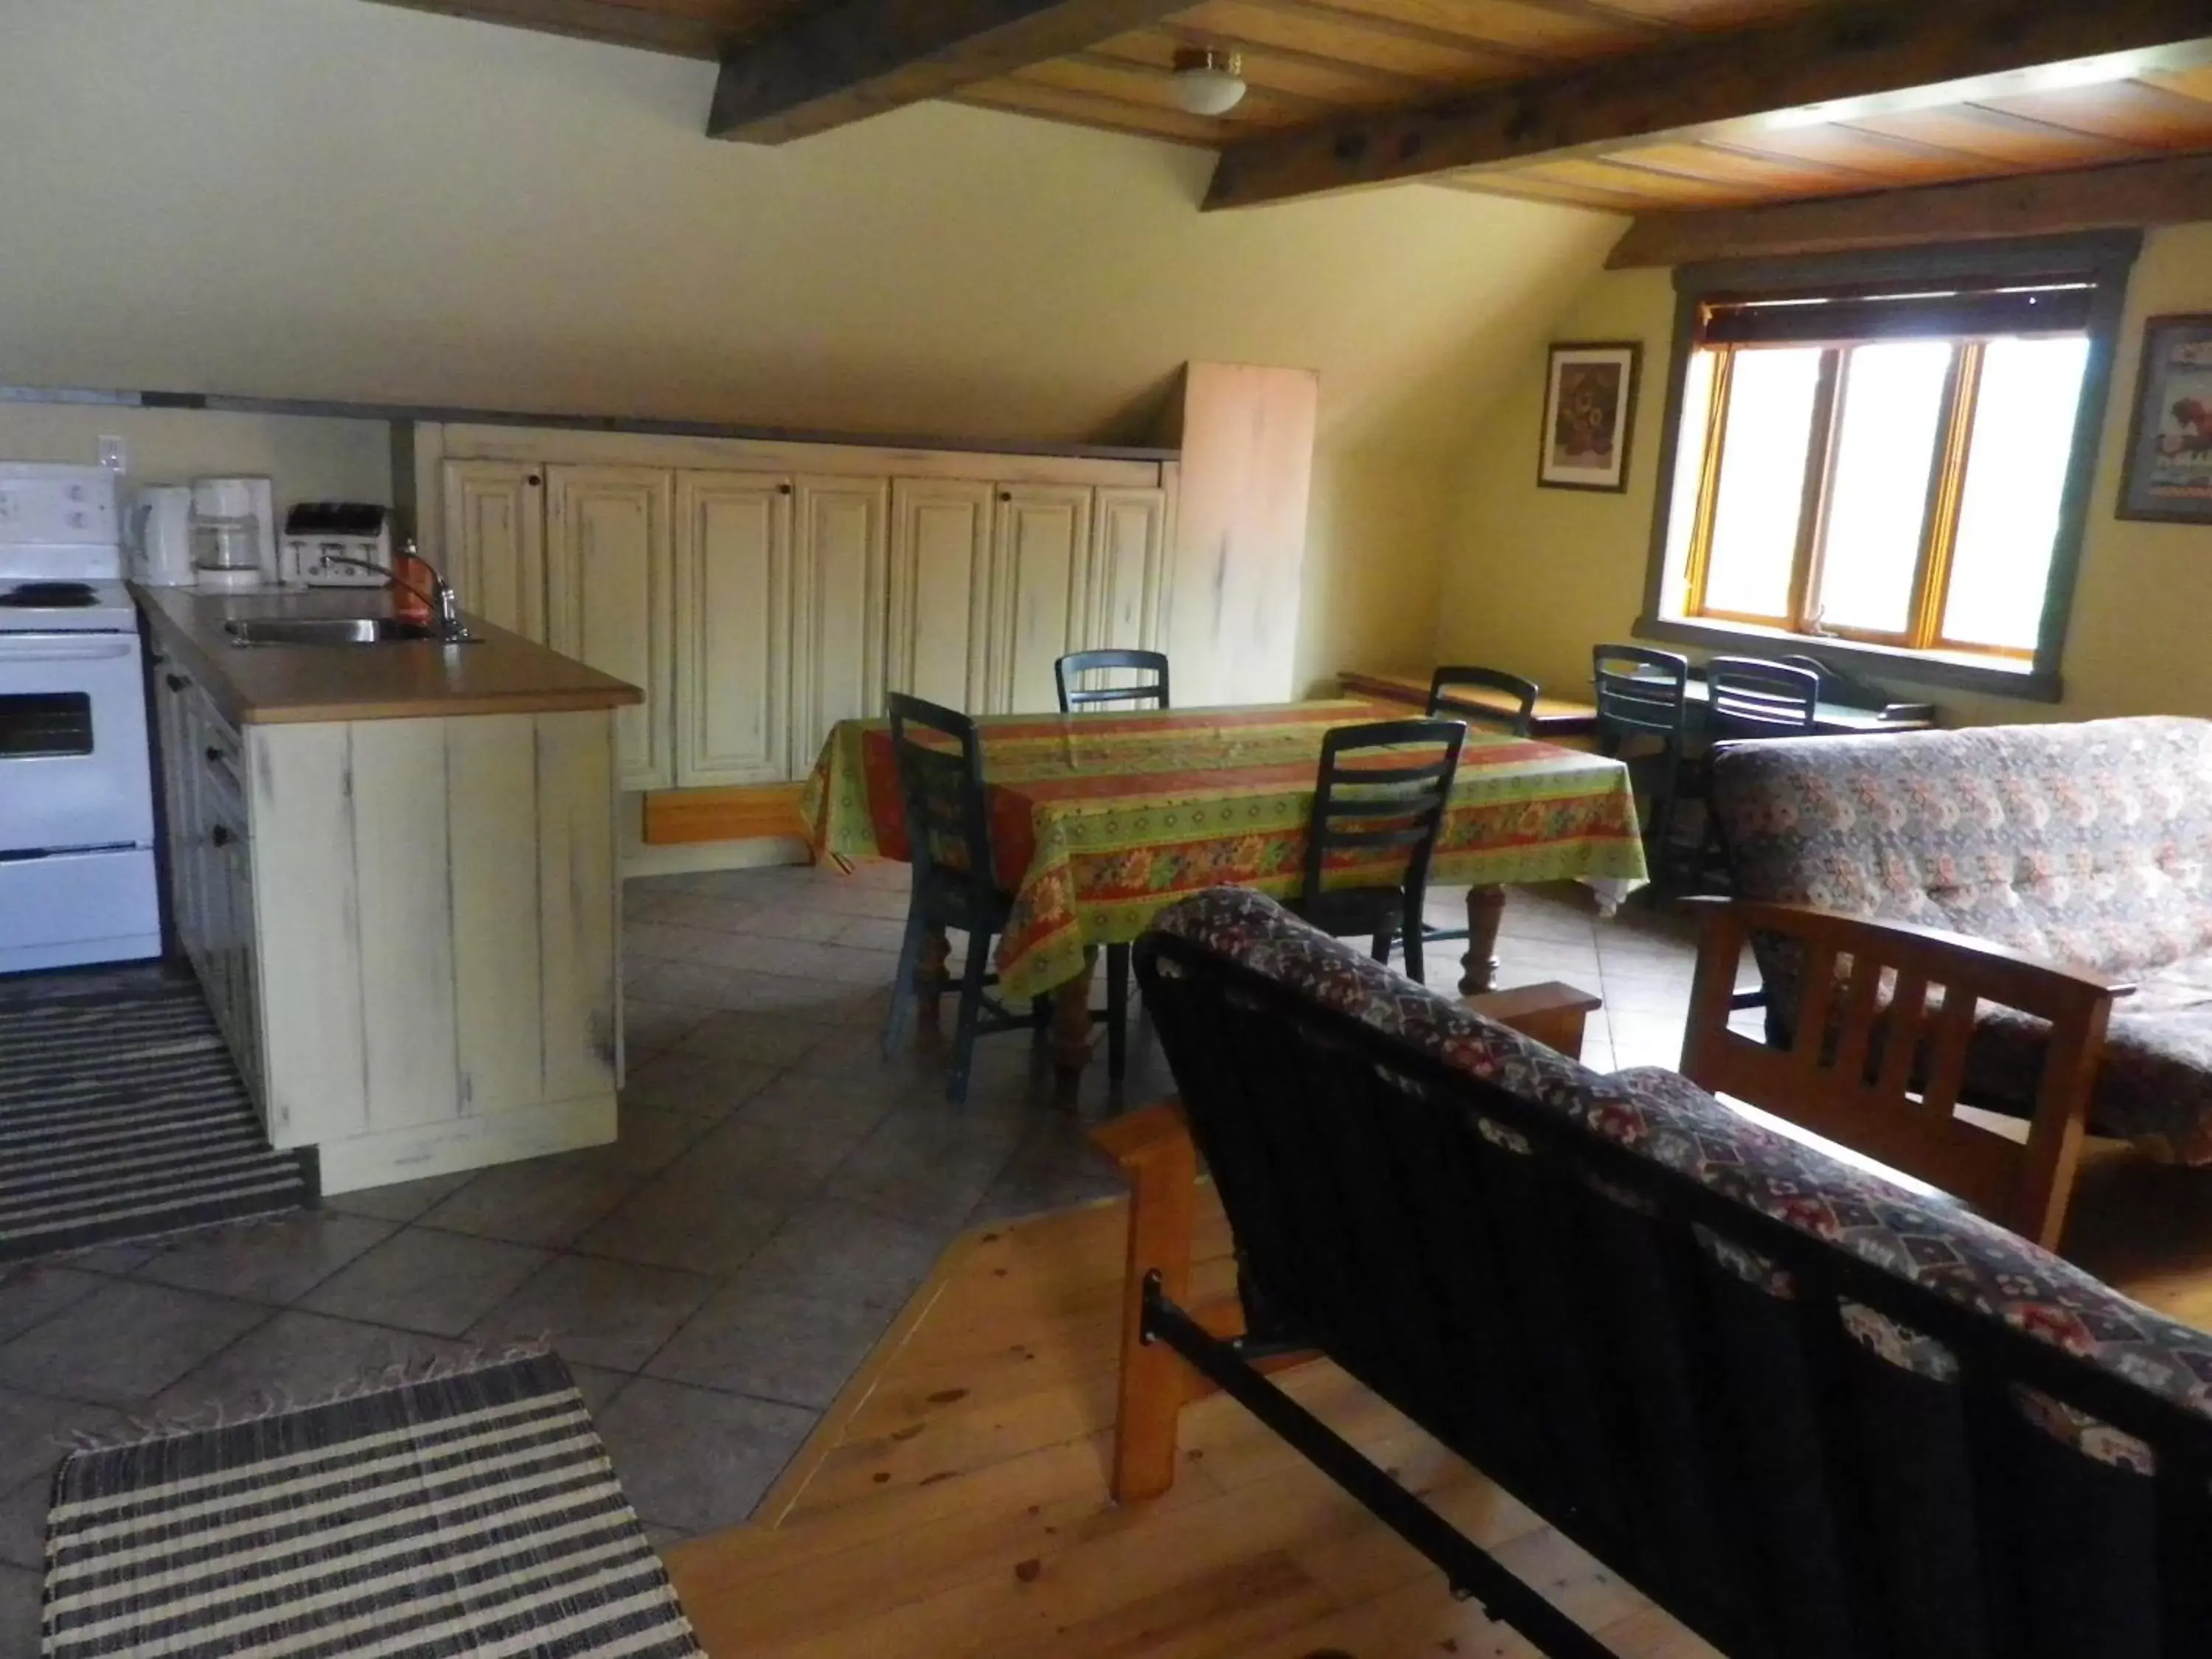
393, 868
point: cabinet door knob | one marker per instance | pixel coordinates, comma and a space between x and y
176, 682
217, 755
220, 835
533, 480
783, 490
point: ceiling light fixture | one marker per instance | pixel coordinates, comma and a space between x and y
1207, 80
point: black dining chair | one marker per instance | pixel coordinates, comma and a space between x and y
939, 758
1151, 688
1379, 798
1517, 722
1522, 694
1644, 695
1751, 697
1747, 698
1075, 698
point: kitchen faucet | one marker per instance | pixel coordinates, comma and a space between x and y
444, 604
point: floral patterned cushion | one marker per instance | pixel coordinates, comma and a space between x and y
2088, 842
1666, 1118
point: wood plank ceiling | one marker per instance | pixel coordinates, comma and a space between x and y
1309, 63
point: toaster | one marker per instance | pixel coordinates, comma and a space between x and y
318, 536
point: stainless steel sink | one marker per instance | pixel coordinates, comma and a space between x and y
327, 631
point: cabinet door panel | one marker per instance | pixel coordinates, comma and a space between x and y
402, 862
609, 563
1128, 567
1040, 590
837, 654
495, 527
941, 590
733, 629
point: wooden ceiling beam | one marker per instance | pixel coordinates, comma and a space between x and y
1850, 60
2174, 191
850, 60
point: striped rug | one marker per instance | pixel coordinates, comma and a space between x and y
122, 1116
474, 1513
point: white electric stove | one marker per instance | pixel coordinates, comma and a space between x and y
77, 794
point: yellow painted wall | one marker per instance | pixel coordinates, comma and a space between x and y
1534, 577
329, 197
315, 459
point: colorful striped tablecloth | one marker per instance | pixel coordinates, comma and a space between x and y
1098, 821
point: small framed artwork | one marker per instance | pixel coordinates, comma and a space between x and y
1589, 411
2168, 474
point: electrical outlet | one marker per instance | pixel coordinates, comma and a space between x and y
112, 455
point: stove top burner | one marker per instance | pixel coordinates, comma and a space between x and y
49, 596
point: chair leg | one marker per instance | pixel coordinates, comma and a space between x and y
900, 1021
1117, 1012
1380, 949
1664, 792
971, 1010
1412, 932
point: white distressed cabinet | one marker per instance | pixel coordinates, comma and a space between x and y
761, 592
839, 606
609, 600
733, 668
406, 928
494, 535
1040, 591
941, 590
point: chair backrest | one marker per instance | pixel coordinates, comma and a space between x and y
1751, 697
1379, 800
940, 771
1811, 1412
1150, 685
1639, 690
1877, 1053
1521, 695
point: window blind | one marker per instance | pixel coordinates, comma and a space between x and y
2017, 307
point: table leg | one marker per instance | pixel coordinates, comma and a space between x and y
1071, 1029
930, 977
1486, 909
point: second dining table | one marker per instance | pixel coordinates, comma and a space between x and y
1100, 821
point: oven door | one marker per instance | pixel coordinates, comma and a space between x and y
74, 772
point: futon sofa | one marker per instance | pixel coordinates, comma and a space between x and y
1810, 1412
2088, 844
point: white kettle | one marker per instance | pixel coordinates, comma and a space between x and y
161, 536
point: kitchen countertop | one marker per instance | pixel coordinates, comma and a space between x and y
503, 674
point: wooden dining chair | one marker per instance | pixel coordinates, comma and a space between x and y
1075, 698
1379, 801
1149, 687
1644, 695
1520, 694
1880, 1015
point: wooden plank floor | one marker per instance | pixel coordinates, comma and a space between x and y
954, 1501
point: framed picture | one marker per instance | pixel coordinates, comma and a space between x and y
1589, 411
2168, 474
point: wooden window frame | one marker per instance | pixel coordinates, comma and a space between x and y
1922, 655
1939, 524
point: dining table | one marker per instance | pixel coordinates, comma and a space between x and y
1100, 821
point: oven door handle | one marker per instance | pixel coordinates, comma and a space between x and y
14, 651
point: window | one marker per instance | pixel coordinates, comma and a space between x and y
1886, 461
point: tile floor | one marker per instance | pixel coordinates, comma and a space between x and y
712, 1278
